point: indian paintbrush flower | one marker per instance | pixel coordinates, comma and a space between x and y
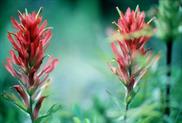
29, 43
131, 58
130, 22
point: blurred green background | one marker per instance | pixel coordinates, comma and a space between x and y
82, 82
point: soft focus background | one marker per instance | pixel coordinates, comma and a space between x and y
82, 82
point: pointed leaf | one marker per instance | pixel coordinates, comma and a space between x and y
12, 98
76, 120
53, 109
38, 106
22, 94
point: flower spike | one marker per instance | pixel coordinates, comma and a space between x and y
128, 48
25, 63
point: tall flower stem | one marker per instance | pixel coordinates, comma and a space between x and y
30, 110
169, 45
126, 110
129, 49
127, 102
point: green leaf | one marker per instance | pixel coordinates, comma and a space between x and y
76, 120
87, 121
39, 120
130, 96
13, 98
146, 31
53, 109
147, 112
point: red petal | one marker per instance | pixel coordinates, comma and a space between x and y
14, 58
51, 66
37, 106
9, 67
13, 42
118, 55
42, 27
15, 23
22, 93
47, 37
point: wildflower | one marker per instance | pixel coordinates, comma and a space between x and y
29, 43
129, 49
131, 58
129, 24
130, 67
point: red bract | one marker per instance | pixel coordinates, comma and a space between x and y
130, 67
129, 51
131, 22
29, 42
123, 59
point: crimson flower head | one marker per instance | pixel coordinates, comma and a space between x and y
131, 57
131, 22
130, 68
29, 42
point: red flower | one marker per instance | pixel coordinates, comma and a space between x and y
129, 51
29, 42
123, 59
129, 69
131, 22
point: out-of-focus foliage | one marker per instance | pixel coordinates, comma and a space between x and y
147, 31
169, 23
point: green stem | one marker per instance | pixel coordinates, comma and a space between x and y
168, 75
127, 105
126, 110
31, 110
